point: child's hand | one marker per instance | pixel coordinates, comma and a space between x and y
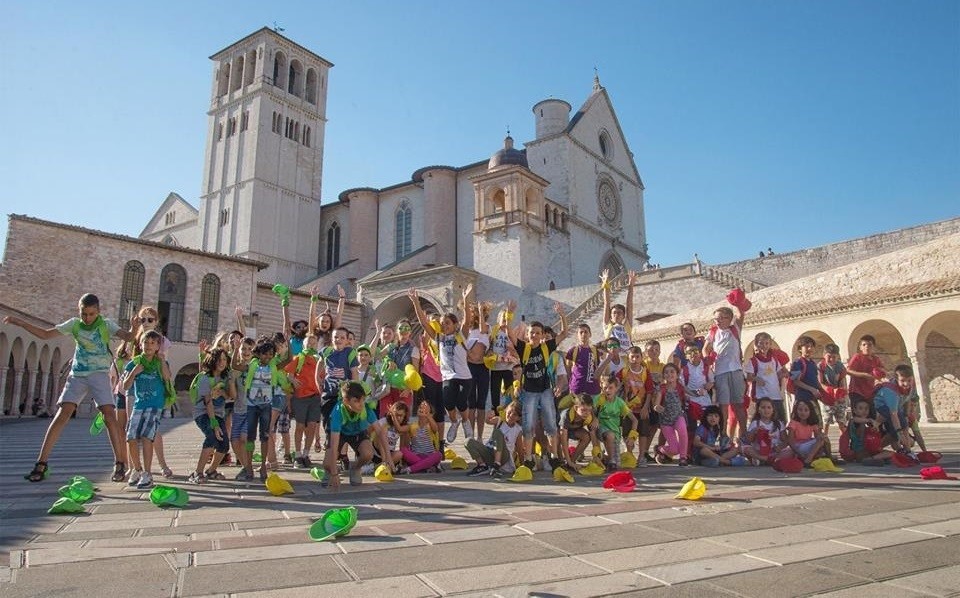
658, 408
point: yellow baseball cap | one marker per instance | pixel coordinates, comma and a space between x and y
694, 489
522, 474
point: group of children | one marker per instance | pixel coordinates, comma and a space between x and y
546, 407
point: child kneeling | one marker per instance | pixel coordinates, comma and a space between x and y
354, 423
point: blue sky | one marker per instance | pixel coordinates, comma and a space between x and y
753, 123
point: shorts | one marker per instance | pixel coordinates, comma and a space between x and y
354, 440
95, 384
432, 393
238, 428
121, 401
306, 410
210, 436
258, 420
481, 386
456, 394
279, 402
836, 413
143, 425
228, 408
730, 387
542, 404
282, 425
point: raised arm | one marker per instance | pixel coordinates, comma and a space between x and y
42, 333
467, 311
311, 315
605, 285
422, 317
631, 280
563, 332
340, 304
239, 313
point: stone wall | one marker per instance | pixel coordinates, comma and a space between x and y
785, 267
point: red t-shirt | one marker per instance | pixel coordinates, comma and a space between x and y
865, 364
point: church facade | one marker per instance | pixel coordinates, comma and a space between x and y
547, 217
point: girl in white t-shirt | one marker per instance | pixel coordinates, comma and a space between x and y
764, 433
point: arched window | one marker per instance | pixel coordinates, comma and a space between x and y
311, 90
499, 201
131, 291
403, 230
173, 293
223, 79
295, 79
249, 66
209, 307
237, 75
279, 70
333, 246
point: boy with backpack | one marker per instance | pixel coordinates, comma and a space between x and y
722, 346
537, 396
89, 375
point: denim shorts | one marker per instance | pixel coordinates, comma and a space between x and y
258, 418
209, 434
238, 427
542, 403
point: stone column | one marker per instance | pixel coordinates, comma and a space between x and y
17, 391
31, 388
45, 389
3, 386
918, 360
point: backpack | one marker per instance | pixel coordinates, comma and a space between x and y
791, 383
546, 358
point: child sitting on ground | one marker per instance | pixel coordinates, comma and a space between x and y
764, 434
804, 438
861, 442
578, 421
712, 447
421, 448
496, 457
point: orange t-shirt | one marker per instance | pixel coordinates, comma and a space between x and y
306, 378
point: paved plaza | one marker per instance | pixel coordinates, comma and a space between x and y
865, 532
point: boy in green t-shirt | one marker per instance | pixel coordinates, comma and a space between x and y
611, 410
89, 376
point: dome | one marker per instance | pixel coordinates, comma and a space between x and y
508, 156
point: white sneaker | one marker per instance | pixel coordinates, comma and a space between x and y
452, 432
134, 478
368, 469
146, 481
467, 430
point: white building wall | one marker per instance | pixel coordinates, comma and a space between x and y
387, 233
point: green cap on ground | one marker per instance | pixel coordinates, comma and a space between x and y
65, 506
334, 524
79, 489
169, 496
318, 473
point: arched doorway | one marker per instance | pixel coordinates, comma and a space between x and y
890, 346
939, 364
821, 338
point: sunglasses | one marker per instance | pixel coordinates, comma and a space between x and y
147, 320
404, 329
613, 346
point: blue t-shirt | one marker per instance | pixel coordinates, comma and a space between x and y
338, 365
887, 397
806, 371
148, 388
296, 345
346, 422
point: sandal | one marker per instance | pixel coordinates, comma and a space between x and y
167, 472
263, 473
119, 472
214, 475
39, 472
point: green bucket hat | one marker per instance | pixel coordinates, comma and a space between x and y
169, 496
97, 425
66, 506
334, 524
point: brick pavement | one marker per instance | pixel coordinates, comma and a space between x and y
867, 531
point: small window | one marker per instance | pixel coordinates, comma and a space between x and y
219, 131
224, 217
244, 120
403, 231
606, 146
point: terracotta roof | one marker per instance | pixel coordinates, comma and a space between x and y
125, 238
884, 296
